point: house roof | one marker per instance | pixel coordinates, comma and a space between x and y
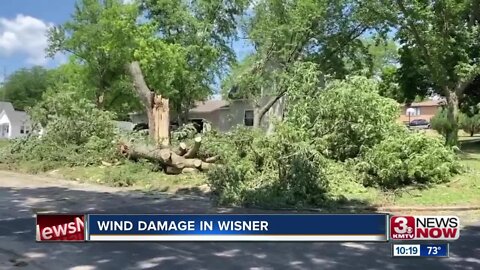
17, 116
209, 106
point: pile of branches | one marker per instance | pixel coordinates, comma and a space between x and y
183, 159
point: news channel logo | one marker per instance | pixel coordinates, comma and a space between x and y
424, 228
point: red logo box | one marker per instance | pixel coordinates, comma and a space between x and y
64, 228
402, 227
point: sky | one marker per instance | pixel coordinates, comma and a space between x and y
23, 28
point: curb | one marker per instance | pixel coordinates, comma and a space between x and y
433, 208
366, 208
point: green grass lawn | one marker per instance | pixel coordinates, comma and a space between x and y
135, 177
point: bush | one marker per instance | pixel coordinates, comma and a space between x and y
440, 123
345, 118
330, 143
267, 171
75, 133
469, 124
407, 159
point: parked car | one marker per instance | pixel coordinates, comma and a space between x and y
419, 124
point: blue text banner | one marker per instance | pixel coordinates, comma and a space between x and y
238, 227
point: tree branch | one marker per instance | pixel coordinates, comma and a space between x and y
145, 94
419, 39
461, 86
269, 104
355, 33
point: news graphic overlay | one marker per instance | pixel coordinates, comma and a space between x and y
172, 227
420, 250
424, 228
64, 228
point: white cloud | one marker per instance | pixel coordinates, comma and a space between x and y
24, 35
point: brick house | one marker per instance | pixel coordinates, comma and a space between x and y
423, 110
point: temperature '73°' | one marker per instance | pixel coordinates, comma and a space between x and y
433, 250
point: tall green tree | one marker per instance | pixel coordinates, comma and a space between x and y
24, 88
120, 99
383, 54
87, 37
439, 51
283, 32
171, 52
204, 30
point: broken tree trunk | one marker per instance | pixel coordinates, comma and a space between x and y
156, 106
171, 160
161, 116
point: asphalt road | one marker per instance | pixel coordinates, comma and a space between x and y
21, 196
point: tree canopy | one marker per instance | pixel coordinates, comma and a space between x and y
24, 87
439, 50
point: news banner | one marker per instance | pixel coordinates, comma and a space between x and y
410, 236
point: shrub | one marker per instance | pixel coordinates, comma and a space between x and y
267, 171
469, 124
440, 123
76, 133
345, 118
407, 159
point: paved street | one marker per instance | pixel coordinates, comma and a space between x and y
22, 195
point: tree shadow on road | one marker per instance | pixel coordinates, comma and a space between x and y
17, 240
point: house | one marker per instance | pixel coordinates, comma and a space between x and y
422, 110
224, 115
13, 124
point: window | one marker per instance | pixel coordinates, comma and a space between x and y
248, 118
415, 112
22, 130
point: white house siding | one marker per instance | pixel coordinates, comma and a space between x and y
15, 130
15, 121
218, 118
238, 108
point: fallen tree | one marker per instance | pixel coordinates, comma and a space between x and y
181, 160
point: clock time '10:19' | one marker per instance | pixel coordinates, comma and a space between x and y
407, 250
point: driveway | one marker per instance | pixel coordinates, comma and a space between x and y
22, 195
